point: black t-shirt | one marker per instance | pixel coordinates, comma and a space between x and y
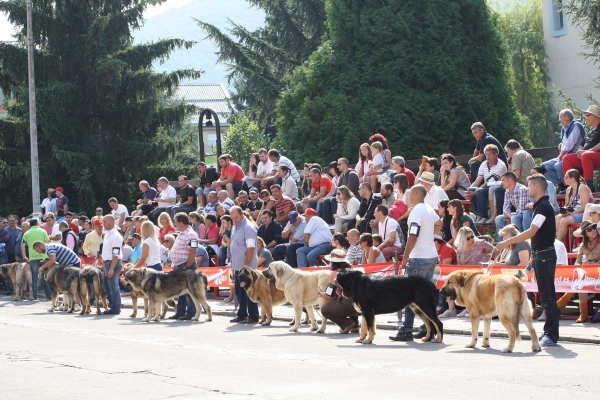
489, 139
544, 238
270, 233
188, 192
255, 206
592, 138
209, 176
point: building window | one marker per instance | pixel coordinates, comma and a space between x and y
558, 19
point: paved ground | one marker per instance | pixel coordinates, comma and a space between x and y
50, 356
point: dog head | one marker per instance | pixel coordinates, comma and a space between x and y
247, 277
134, 278
455, 282
127, 267
346, 281
5, 269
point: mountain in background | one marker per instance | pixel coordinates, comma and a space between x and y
179, 23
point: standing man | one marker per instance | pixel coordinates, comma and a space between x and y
188, 201
294, 232
183, 256
542, 233
232, 176
51, 228
33, 235
112, 255
348, 178
483, 139
13, 232
420, 256
517, 196
20, 246
119, 211
62, 201
207, 175
243, 254
572, 135
49, 203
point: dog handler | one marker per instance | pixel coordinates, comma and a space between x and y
542, 233
420, 256
112, 255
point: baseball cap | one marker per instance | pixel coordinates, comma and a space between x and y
59, 189
310, 211
97, 222
137, 236
595, 208
293, 216
253, 190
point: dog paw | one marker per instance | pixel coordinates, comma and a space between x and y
133, 315
470, 345
536, 348
485, 345
321, 331
367, 341
82, 313
145, 319
294, 329
208, 319
359, 340
507, 350
313, 328
438, 340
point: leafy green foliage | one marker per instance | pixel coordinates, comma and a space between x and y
243, 138
103, 122
419, 72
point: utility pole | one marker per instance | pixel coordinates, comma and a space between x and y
35, 168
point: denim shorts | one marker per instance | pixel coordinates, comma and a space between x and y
577, 217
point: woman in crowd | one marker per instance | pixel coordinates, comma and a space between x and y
365, 156
385, 152
165, 224
225, 233
459, 219
371, 254
430, 165
347, 208
446, 231
329, 202
251, 180
589, 253
197, 222
517, 254
288, 185
340, 310
151, 251
268, 201
454, 179
401, 192
264, 256
339, 242
578, 195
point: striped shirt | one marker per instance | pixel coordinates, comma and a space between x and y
293, 171
64, 255
282, 203
518, 198
488, 171
181, 248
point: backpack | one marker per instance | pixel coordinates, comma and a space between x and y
397, 209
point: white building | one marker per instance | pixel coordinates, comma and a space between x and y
567, 68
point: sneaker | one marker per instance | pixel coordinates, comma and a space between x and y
237, 320
463, 314
448, 314
481, 220
402, 337
421, 334
546, 341
77, 308
543, 316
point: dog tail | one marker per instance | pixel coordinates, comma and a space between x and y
522, 306
205, 279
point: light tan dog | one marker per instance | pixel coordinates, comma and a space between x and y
19, 275
486, 296
301, 289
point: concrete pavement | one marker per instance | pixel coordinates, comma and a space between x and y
56, 355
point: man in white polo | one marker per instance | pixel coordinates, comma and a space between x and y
112, 255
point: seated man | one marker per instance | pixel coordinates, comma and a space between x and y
211, 203
188, 201
520, 161
317, 240
213, 237
250, 202
207, 175
269, 230
388, 230
487, 182
144, 205
294, 232
483, 139
136, 248
354, 253
320, 187
231, 177
278, 160
283, 204
399, 168
517, 197
366, 212
166, 198
225, 201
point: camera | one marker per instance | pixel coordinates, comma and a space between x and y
564, 210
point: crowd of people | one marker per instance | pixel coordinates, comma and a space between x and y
370, 213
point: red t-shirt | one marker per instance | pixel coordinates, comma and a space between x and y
235, 170
74, 227
325, 181
162, 234
447, 251
409, 175
213, 233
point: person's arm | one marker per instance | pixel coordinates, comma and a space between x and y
477, 157
209, 241
121, 219
452, 179
284, 216
478, 181
199, 260
168, 199
260, 262
142, 261
523, 257
373, 255
51, 261
306, 238
584, 198
389, 241
506, 205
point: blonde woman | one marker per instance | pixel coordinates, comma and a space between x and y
472, 250
516, 254
150, 248
166, 226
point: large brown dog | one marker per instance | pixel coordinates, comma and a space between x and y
66, 280
91, 285
20, 276
260, 290
486, 296
138, 294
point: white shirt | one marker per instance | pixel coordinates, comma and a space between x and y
120, 210
168, 193
289, 188
319, 232
266, 168
378, 160
434, 196
386, 227
561, 253
227, 204
56, 231
422, 219
487, 172
153, 257
350, 212
113, 245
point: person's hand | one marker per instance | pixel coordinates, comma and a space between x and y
528, 206
372, 223
305, 200
471, 161
215, 184
502, 246
335, 216
110, 273
321, 200
580, 152
421, 167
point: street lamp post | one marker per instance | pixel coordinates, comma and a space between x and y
35, 177
209, 113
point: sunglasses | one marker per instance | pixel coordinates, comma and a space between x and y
470, 238
590, 229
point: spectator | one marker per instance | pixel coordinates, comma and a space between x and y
483, 140
128, 229
420, 255
347, 208
279, 160
144, 205
386, 153
283, 204
268, 202
317, 239
550, 191
339, 309
72, 224
446, 229
255, 204
365, 158
517, 254
376, 167
51, 228
68, 237
150, 255
165, 250
99, 212
225, 233
520, 162
202, 257
430, 165
269, 230
188, 201
243, 253
446, 256
401, 189
454, 179
93, 240
213, 238
288, 185
366, 211
516, 196
434, 192
166, 226
588, 158
388, 230
225, 201
112, 255
60, 217
264, 256
294, 232
387, 194
231, 177
487, 182
305, 186
251, 179
136, 248
220, 211
49, 203
207, 175
370, 253
348, 176
321, 185
577, 197
21, 250
472, 250
265, 166
329, 202
398, 167
354, 253
211, 202
13, 232
166, 198
459, 219
33, 235
62, 201
197, 222
339, 242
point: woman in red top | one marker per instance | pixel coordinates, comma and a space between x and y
166, 226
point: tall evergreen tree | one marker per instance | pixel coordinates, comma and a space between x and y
422, 72
103, 121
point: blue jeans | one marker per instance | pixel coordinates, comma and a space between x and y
544, 265
222, 256
475, 170
287, 252
555, 171
111, 286
307, 256
157, 267
326, 210
35, 266
247, 308
522, 221
185, 302
423, 267
479, 203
